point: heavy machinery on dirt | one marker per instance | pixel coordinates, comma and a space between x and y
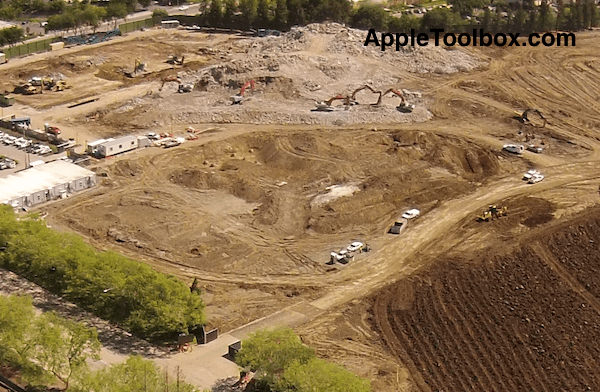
138, 67
60, 85
168, 79
28, 89
524, 117
493, 212
365, 87
237, 99
403, 107
175, 59
325, 106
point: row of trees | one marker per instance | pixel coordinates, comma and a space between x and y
11, 35
80, 14
13, 9
572, 16
284, 364
46, 348
145, 302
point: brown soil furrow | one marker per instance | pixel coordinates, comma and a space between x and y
491, 358
420, 352
397, 342
530, 358
498, 338
458, 364
457, 342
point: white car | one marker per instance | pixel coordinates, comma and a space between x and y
536, 178
411, 214
514, 148
353, 247
184, 7
530, 174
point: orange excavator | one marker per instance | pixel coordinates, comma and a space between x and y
403, 107
237, 99
326, 105
169, 79
365, 87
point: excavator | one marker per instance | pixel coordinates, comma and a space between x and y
137, 68
183, 88
524, 119
365, 87
237, 99
326, 105
169, 79
493, 212
403, 107
175, 60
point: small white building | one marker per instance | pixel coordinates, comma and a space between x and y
169, 24
44, 182
116, 146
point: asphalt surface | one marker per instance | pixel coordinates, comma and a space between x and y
21, 157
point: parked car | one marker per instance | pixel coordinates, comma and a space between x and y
353, 247
536, 178
411, 214
514, 148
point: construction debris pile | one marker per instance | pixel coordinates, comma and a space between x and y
294, 71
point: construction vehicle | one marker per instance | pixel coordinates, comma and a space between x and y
27, 89
175, 60
169, 79
326, 105
185, 88
237, 99
493, 212
365, 87
403, 107
524, 117
137, 68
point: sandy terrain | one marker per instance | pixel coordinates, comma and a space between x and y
254, 206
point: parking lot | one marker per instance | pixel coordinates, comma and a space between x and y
21, 156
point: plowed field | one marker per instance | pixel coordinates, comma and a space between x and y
527, 321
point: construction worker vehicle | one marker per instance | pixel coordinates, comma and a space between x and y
325, 106
403, 107
523, 118
138, 67
492, 213
175, 60
185, 88
27, 89
365, 87
237, 99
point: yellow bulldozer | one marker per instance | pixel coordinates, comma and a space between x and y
493, 212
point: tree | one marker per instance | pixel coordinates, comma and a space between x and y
438, 18
465, 7
320, 375
144, 3
12, 35
296, 14
63, 347
158, 15
116, 11
16, 317
229, 13
369, 15
134, 375
215, 13
263, 17
281, 15
248, 10
273, 351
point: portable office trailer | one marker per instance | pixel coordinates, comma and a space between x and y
116, 146
169, 24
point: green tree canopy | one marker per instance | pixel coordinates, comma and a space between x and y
369, 15
320, 375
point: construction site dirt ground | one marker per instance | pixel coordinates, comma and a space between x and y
255, 205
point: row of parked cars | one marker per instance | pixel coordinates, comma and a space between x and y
24, 144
